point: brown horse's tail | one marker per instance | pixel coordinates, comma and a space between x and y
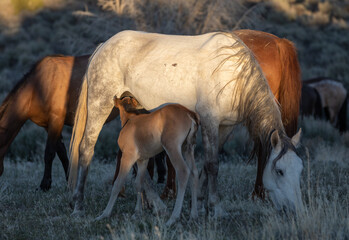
290, 86
78, 132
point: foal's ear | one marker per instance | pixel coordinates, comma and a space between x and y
115, 100
134, 102
275, 139
296, 139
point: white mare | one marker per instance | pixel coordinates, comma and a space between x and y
213, 74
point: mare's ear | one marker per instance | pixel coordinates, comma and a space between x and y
296, 139
275, 139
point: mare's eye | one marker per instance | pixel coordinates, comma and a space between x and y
279, 172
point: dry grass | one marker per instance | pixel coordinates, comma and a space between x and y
319, 30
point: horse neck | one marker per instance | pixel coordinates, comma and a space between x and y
125, 116
10, 124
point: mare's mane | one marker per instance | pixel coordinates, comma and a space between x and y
256, 105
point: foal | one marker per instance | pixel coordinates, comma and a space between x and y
173, 129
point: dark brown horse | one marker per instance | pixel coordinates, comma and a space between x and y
331, 103
47, 96
279, 62
310, 102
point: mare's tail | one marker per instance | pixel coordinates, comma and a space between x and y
78, 132
342, 116
290, 86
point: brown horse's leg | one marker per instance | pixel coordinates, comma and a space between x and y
53, 136
170, 188
160, 167
150, 167
62, 154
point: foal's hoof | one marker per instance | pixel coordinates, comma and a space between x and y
219, 212
45, 184
102, 216
170, 222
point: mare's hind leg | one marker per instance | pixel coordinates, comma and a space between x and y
96, 116
182, 171
53, 134
126, 163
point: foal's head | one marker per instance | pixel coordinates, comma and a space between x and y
281, 176
126, 103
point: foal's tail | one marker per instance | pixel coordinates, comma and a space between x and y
194, 117
78, 132
342, 116
290, 85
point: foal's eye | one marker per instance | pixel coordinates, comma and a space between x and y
279, 172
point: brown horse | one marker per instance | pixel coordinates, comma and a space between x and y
333, 100
278, 60
171, 128
47, 96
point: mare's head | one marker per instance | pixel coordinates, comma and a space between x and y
282, 172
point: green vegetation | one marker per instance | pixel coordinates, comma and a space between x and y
319, 30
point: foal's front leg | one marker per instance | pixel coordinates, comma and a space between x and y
126, 163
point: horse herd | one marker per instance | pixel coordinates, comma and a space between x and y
215, 80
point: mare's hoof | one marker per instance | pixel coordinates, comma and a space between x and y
77, 213
45, 185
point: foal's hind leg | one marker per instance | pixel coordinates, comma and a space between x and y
142, 168
182, 170
126, 163
189, 157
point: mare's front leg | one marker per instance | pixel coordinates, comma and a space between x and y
224, 133
209, 129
